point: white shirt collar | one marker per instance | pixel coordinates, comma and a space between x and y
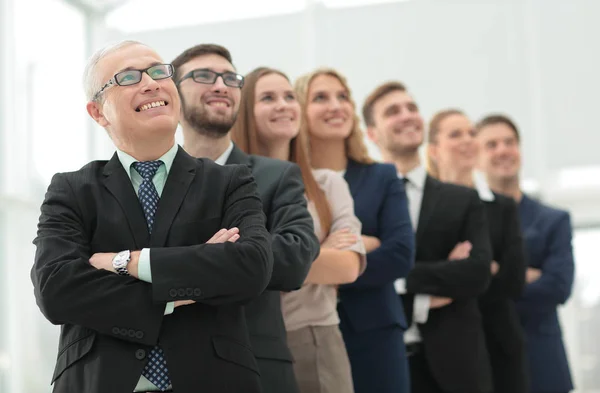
482, 186
416, 177
225, 156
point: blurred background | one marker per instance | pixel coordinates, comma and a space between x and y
536, 60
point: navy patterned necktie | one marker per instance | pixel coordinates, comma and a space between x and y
156, 368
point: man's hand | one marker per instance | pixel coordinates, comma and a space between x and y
340, 239
225, 235
438, 302
103, 260
532, 274
183, 303
371, 243
222, 236
462, 250
494, 267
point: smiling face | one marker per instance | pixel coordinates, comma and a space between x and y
329, 112
140, 112
209, 108
276, 110
500, 156
398, 125
455, 146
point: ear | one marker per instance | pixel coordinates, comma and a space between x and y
432, 152
94, 109
372, 135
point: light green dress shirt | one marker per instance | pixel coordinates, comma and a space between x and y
144, 271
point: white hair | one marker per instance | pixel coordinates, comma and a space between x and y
91, 81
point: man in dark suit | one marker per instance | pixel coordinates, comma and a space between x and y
549, 276
210, 91
446, 344
501, 325
146, 259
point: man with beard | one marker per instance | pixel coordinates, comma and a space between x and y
210, 91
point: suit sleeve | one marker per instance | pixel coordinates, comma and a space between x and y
558, 269
395, 257
295, 245
68, 290
458, 279
510, 279
225, 273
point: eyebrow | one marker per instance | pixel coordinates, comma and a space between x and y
273, 92
391, 107
213, 70
155, 63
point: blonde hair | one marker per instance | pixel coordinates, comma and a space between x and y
434, 131
245, 135
355, 146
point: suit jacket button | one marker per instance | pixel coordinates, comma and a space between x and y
140, 354
189, 292
181, 292
131, 333
139, 334
197, 292
116, 331
173, 293
123, 332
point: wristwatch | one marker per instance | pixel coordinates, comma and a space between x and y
120, 262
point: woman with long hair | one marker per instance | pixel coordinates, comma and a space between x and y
268, 124
371, 312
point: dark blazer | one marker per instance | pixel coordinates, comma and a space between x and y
111, 322
453, 336
370, 304
547, 233
503, 331
295, 247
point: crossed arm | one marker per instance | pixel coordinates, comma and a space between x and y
69, 289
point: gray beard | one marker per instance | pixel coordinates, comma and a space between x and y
205, 124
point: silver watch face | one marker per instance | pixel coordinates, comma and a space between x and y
121, 260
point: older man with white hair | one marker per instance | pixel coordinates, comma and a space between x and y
145, 260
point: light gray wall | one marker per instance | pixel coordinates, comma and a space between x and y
535, 60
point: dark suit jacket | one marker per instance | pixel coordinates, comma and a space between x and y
381, 205
453, 335
547, 233
370, 304
503, 331
295, 247
110, 322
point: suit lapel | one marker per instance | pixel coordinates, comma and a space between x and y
527, 212
178, 182
238, 157
354, 176
431, 196
119, 185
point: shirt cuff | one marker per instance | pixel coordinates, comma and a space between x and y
400, 286
144, 272
421, 308
170, 307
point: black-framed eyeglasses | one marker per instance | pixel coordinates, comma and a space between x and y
132, 77
208, 77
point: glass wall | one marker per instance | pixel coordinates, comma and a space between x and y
44, 132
